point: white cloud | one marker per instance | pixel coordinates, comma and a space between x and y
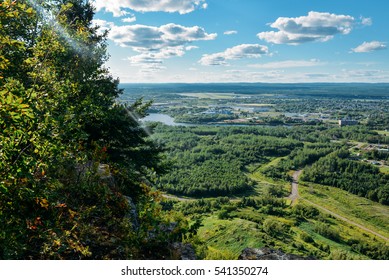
237, 52
366, 21
155, 44
145, 37
231, 32
189, 48
318, 75
288, 64
118, 7
129, 19
315, 26
361, 75
370, 47
102, 25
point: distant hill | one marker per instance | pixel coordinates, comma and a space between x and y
357, 90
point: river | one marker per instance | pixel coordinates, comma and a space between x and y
168, 120
163, 118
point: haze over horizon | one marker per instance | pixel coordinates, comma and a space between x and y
213, 41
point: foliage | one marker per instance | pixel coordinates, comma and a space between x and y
206, 162
299, 158
356, 177
327, 231
60, 125
275, 228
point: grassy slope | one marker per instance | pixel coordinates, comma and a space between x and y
225, 239
372, 215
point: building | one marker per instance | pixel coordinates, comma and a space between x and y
347, 122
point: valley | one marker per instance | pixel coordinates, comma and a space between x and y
250, 171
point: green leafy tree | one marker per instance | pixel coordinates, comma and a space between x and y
59, 123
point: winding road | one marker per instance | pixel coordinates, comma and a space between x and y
295, 192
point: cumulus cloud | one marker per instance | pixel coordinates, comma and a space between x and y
237, 52
145, 37
366, 21
370, 47
155, 44
132, 18
189, 48
231, 32
288, 64
102, 25
118, 7
315, 26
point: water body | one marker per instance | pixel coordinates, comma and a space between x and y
168, 120
163, 118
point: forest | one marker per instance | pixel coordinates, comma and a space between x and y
229, 180
207, 162
73, 161
358, 178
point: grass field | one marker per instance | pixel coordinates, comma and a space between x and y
226, 239
383, 132
360, 210
384, 169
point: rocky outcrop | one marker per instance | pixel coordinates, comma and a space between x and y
183, 251
268, 254
132, 214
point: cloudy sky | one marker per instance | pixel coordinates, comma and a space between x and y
158, 41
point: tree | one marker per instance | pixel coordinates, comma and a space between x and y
59, 121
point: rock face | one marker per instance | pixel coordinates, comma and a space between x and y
267, 254
133, 214
183, 251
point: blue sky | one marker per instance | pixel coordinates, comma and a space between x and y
158, 41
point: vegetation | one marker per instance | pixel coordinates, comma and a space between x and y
358, 178
207, 162
262, 210
81, 178
59, 122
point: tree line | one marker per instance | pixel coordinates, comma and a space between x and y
355, 177
207, 162
59, 122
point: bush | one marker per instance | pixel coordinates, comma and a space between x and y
275, 228
306, 237
328, 232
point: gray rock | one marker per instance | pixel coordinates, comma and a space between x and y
267, 254
183, 251
133, 214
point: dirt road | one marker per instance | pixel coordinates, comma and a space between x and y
295, 192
